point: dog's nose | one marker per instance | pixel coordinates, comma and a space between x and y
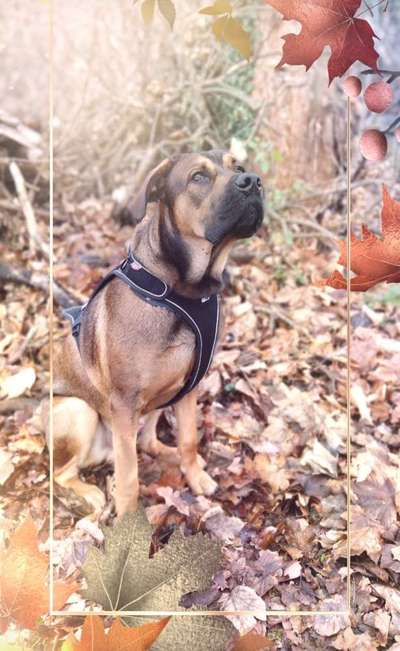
248, 182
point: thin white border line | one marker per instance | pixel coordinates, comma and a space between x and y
348, 378
257, 614
51, 305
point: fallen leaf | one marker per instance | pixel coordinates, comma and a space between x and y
224, 527
377, 498
373, 260
379, 619
388, 561
293, 570
173, 498
269, 469
360, 400
243, 598
363, 464
118, 638
211, 385
391, 597
15, 385
319, 459
327, 23
6, 466
347, 640
327, 625
253, 642
24, 592
366, 535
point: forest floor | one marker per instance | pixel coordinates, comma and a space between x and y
272, 420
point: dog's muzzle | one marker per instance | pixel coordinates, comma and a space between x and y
251, 189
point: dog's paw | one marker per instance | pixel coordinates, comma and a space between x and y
156, 448
200, 481
95, 497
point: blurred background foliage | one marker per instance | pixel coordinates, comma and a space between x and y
126, 95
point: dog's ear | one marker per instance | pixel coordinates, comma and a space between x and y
150, 190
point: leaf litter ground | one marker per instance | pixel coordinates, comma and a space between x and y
272, 419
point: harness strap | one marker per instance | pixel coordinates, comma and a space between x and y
201, 315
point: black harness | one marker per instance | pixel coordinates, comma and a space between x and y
201, 315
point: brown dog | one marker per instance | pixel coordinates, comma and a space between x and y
134, 356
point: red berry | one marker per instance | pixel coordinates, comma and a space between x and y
352, 86
397, 134
378, 96
373, 145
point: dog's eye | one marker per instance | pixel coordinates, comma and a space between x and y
200, 177
239, 168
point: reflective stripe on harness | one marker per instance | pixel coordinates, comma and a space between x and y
201, 315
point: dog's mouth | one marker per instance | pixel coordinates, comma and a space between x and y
239, 215
250, 219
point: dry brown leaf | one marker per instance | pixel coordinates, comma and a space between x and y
360, 400
15, 385
348, 641
376, 496
243, 598
327, 625
390, 595
270, 470
6, 466
366, 536
379, 619
319, 459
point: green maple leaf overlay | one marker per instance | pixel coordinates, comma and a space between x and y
123, 577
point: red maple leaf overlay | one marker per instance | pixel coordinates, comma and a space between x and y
327, 22
373, 260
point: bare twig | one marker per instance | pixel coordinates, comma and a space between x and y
35, 241
23, 346
11, 405
276, 313
37, 280
392, 125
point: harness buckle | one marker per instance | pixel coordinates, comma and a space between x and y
124, 263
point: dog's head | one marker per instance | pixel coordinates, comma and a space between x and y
209, 195
206, 202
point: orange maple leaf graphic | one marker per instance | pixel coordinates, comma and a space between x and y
24, 591
253, 642
119, 637
372, 259
327, 23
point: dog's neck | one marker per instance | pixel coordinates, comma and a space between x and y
192, 266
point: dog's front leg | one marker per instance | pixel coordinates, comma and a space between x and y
124, 426
199, 481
